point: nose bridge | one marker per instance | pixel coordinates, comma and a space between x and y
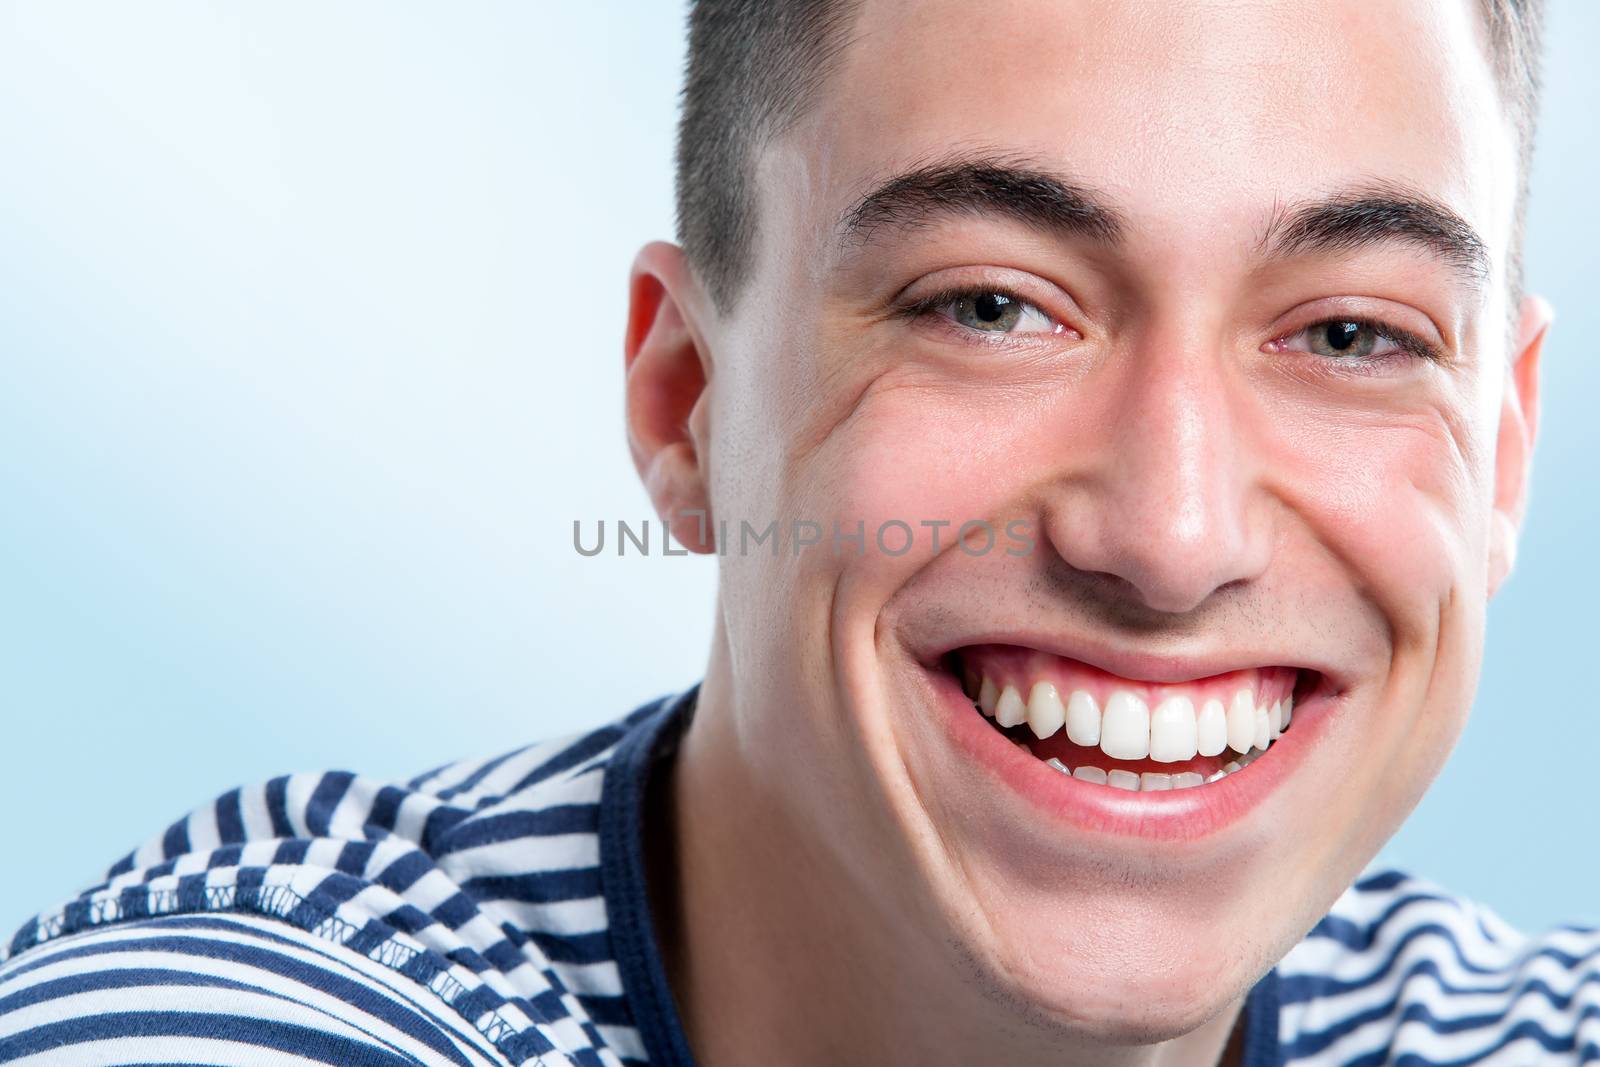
1171, 466
1167, 507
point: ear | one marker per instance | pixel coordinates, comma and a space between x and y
667, 372
1519, 425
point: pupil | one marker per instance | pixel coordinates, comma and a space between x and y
1342, 335
990, 307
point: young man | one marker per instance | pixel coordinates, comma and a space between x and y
1142, 396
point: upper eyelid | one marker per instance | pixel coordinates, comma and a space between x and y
1020, 283
947, 295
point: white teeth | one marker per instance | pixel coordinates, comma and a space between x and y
1128, 729
1124, 780
1125, 727
1045, 710
1241, 722
1173, 731
988, 697
1211, 729
1010, 710
1083, 719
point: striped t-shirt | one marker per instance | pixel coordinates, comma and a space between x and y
494, 912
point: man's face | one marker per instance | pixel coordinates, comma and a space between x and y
1181, 289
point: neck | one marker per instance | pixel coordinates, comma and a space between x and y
773, 959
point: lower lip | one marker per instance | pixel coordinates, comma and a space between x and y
1167, 815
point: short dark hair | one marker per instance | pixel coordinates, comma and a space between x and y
755, 66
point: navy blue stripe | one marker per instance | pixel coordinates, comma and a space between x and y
386, 807
403, 871
330, 790
544, 887
175, 842
573, 948
354, 856
230, 818
439, 822
583, 750
277, 798
292, 852
483, 830
121, 978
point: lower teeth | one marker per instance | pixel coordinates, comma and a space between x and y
1151, 781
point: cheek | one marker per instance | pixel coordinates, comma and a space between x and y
1397, 490
918, 461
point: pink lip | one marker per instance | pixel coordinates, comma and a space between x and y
1173, 815
1161, 668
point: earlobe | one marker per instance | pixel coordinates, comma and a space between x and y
1519, 423
667, 375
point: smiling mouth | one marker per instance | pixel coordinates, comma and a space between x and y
1138, 736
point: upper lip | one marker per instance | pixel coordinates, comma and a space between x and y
1161, 666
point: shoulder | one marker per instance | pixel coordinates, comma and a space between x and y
1402, 971
454, 918
218, 986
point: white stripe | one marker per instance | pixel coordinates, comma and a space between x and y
567, 917
163, 1050
253, 813
525, 855
583, 790
625, 1040
203, 833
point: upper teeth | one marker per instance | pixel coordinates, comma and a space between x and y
1127, 728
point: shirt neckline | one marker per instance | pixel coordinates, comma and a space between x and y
632, 926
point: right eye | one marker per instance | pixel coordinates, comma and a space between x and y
995, 312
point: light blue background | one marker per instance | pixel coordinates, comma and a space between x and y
310, 321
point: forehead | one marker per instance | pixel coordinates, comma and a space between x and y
1195, 117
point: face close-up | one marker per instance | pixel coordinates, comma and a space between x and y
1209, 311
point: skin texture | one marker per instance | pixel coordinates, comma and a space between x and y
836, 880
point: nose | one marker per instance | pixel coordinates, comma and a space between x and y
1163, 467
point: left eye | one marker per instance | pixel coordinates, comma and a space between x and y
1345, 340
999, 313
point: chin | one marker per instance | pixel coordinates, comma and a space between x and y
1108, 991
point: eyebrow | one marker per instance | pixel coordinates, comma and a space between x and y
978, 186
1372, 215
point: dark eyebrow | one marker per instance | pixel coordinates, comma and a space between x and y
1372, 215
976, 186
